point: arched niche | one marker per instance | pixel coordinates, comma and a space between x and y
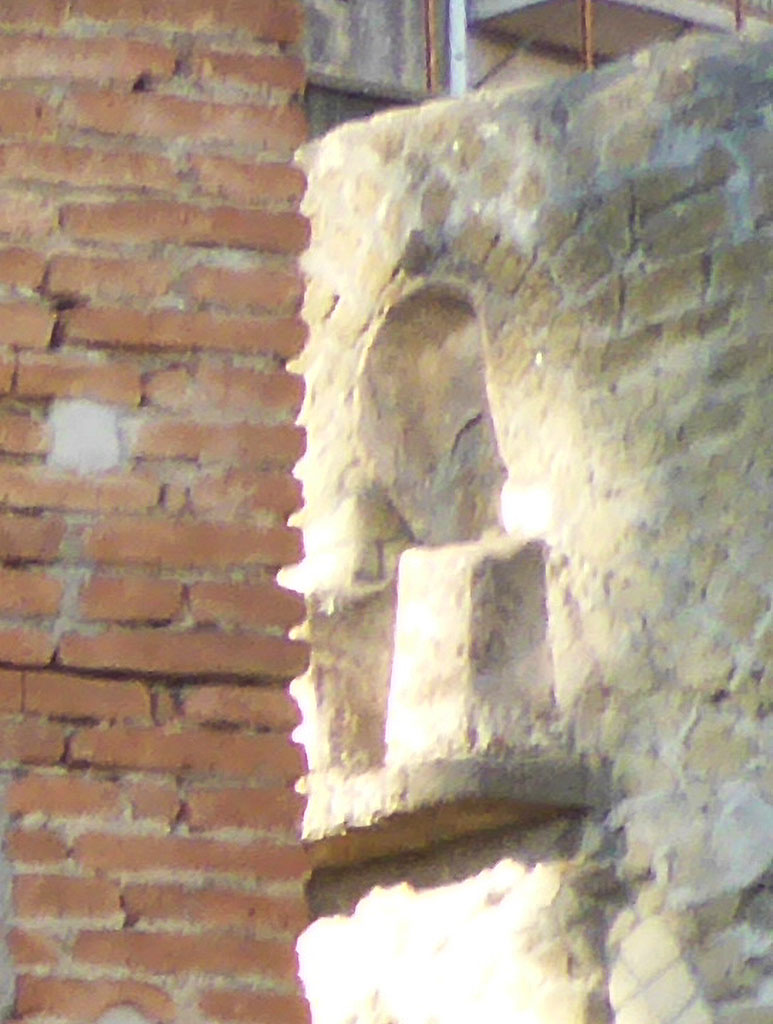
424, 420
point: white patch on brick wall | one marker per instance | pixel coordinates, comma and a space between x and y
86, 436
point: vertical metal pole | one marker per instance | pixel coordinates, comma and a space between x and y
457, 45
586, 32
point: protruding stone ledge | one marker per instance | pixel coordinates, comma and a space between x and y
389, 811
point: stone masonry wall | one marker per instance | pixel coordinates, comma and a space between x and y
603, 249
149, 230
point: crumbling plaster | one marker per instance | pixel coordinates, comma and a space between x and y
611, 236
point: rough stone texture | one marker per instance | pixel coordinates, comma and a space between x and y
604, 249
469, 635
404, 953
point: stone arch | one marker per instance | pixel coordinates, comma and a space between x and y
423, 416
425, 505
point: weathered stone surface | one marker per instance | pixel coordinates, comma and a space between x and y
546, 317
524, 919
471, 665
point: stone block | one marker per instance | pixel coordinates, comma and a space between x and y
690, 226
344, 691
650, 949
654, 296
655, 190
471, 664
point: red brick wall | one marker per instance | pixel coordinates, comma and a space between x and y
148, 242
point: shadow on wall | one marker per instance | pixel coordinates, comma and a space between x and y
495, 928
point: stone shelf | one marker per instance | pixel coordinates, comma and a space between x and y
388, 811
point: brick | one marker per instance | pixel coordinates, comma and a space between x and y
245, 1007
23, 113
215, 908
153, 801
60, 375
108, 278
75, 795
250, 605
26, 594
135, 222
171, 388
35, 12
171, 330
10, 691
22, 435
70, 795
25, 324
689, 226
21, 268
30, 538
31, 742
7, 370
185, 653
241, 390
33, 487
79, 1000
130, 599
72, 59
263, 707
25, 215
665, 291
275, 290
266, 756
730, 266
83, 167
38, 847
26, 646
232, 389
280, 128
243, 496
173, 438
276, 20
185, 545
40, 896
248, 183
33, 948
285, 73
264, 860
175, 498
180, 954
69, 696
260, 810
165, 709
655, 189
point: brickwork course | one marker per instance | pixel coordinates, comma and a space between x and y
149, 297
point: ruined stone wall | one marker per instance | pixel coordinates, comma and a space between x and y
149, 230
542, 323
